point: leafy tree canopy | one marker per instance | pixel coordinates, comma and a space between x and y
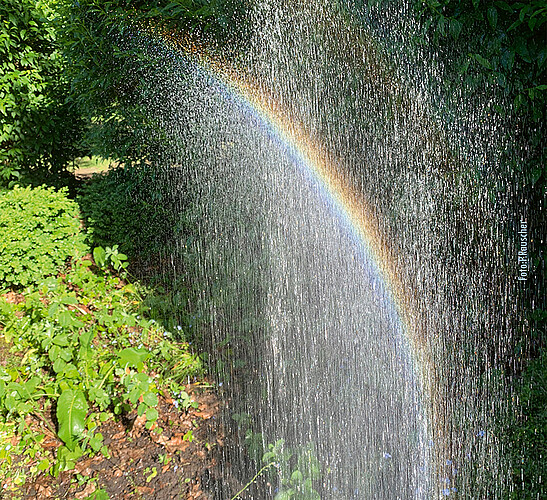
109, 68
40, 131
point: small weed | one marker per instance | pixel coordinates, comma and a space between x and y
150, 473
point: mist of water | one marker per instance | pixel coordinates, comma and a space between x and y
377, 370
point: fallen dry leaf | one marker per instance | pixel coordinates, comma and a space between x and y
205, 415
13, 298
90, 488
138, 426
118, 435
176, 443
51, 443
144, 490
83, 467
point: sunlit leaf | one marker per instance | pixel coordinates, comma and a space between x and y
71, 414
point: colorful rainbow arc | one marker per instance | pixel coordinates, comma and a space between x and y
348, 201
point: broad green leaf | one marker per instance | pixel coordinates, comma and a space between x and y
455, 28
66, 459
133, 357
59, 365
99, 256
504, 6
61, 340
71, 414
297, 477
484, 62
521, 48
96, 442
68, 320
150, 399
43, 465
152, 414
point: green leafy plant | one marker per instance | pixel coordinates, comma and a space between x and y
90, 351
71, 414
527, 435
296, 476
500, 43
297, 469
99, 494
39, 231
82, 334
40, 131
129, 209
103, 257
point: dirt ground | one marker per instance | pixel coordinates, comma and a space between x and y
178, 463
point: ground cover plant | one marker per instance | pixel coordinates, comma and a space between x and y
39, 230
77, 352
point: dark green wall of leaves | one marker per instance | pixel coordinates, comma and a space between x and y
109, 70
503, 46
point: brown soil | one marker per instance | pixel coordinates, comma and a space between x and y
144, 464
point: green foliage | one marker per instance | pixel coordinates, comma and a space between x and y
131, 208
80, 340
112, 256
40, 131
503, 42
296, 476
527, 437
39, 231
98, 495
298, 468
111, 68
89, 351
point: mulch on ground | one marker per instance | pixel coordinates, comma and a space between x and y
180, 462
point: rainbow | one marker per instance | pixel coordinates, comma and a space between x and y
347, 202
349, 205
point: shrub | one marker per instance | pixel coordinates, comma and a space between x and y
109, 68
90, 353
527, 436
131, 207
39, 230
40, 131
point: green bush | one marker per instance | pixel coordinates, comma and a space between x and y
503, 42
39, 230
527, 436
40, 131
111, 66
90, 353
128, 207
